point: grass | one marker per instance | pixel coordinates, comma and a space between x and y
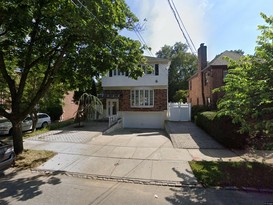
239, 174
29, 159
33, 158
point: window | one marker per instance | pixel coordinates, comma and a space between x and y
225, 72
208, 101
190, 85
152, 70
156, 69
116, 72
206, 78
142, 98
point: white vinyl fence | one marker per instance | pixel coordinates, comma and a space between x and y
179, 112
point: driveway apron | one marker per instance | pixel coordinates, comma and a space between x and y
133, 155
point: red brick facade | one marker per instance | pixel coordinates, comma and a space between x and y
69, 108
208, 78
160, 100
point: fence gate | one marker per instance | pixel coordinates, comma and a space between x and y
179, 112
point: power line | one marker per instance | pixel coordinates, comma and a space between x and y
142, 40
182, 27
90, 12
95, 17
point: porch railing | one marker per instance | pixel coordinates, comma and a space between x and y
113, 119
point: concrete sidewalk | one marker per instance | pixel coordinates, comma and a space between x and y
186, 135
134, 155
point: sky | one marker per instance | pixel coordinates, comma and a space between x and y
219, 24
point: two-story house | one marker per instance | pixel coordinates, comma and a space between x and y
210, 75
140, 103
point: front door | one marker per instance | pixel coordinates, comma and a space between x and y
112, 106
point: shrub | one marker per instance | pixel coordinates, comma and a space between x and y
197, 109
54, 112
222, 130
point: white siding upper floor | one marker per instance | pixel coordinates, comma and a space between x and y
158, 77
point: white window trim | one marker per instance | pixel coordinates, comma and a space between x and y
141, 104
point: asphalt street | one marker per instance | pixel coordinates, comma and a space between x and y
31, 188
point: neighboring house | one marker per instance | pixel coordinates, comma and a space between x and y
208, 77
141, 103
69, 107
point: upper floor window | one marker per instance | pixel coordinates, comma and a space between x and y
152, 69
206, 77
142, 98
225, 72
117, 72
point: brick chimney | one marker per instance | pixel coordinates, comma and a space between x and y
202, 57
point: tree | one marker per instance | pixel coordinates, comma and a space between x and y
183, 66
66, 42
248, 87
181, 96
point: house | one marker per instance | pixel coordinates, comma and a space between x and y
140, 103
208, 77
69, 107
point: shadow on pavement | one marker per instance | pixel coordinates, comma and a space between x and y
186, 194
22, 186
139, 132
87, 126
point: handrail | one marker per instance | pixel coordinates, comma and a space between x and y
112, 120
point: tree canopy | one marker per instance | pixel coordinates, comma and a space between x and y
59, 41
248, 87
183, 66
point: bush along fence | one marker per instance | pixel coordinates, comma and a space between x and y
222, 129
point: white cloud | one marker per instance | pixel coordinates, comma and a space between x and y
161, 27
221, 25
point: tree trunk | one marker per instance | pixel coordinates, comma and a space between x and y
17, 137
34, 118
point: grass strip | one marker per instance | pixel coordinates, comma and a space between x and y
32, 158
239, 174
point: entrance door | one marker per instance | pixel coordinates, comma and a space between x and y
112, 107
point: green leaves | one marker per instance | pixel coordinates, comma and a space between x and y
248, 90
183, 66
60, 42
68, 41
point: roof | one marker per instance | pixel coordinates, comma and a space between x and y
157, 60
220, 59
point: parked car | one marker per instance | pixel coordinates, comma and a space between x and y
7, 156
6, 126
43, 120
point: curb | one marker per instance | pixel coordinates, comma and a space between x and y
120, 179
166, 183
246, 189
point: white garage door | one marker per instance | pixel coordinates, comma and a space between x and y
144, 119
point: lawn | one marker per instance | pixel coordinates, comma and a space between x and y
239, 174
32, 158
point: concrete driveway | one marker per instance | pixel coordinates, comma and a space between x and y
132, 155
146, 156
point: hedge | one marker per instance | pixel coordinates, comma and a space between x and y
222, 130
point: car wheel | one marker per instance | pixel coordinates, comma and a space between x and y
10, 131
45, 124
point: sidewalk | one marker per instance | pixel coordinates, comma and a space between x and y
131, 155
186, 135
144, 156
